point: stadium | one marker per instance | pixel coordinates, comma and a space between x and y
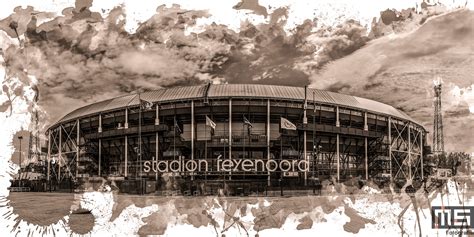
234, 137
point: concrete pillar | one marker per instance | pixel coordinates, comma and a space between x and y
126, 118
366, 127
157, 115
366, 160
338, 124
126, 156
100, 123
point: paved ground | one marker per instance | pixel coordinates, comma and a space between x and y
47, 208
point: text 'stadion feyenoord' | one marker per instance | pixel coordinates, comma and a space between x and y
226, 165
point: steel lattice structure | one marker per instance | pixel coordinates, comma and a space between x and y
340, 136
438, 138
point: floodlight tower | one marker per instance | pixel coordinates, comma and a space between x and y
438, 139
34, 146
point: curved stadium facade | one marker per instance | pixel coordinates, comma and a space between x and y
263, 131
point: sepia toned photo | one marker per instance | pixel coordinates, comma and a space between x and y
237, 118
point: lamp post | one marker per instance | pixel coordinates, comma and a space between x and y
316, 152
19, 173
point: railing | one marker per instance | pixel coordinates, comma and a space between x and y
128, 131
238, 140
19, 189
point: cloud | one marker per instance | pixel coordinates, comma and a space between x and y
84, 56
154, 63
463, 96
399, 71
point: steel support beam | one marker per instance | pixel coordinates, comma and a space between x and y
390, 146
126, 144
192, 134
230, 128
126, 156
157, 139
60, 155
230, 133
100, 155
78, 140
157, 147
100, 142
49, 156
337, 157
268, 140
305, 122
409, 153
421, 154
366, 160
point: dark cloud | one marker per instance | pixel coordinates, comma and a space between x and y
82, 57
90, 58
346, 39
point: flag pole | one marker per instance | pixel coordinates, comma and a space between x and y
205, 145
281, 141
243, 133
140, 140
281, 158
314, 130
225, 145
174, 138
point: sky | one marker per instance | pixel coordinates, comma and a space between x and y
75, 53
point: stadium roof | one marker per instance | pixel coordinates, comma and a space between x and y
240, 91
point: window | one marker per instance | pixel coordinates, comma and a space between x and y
326, 108
344, 111
372, 116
